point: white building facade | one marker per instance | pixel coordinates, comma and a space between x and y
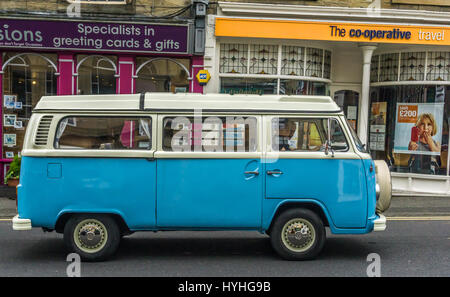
389, 70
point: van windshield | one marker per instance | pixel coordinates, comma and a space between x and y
359, 145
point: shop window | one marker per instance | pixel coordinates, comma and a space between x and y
162, 75
303, 87
348, 101
314, 61
327, 65
412, 66
248, 86
233, 58
374, 68
210, 134
413, 135
263, 59
26, 78
302, 134
104, 133
293, 70
389, 67
96, 74
293, 60
438, 66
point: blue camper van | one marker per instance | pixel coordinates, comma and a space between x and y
96, 168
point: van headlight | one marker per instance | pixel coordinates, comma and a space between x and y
377, 191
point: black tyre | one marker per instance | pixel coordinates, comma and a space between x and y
298, 234
93, 237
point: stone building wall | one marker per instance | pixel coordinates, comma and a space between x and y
165, 8
149, 8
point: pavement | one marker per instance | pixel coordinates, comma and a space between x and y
401, 206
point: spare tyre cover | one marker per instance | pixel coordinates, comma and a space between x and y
383, 178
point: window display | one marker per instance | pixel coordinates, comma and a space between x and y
26, 78
416, 137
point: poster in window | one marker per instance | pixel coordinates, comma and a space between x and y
18, 105
9, 140
18, 124
9, 101
418, 128
378, 126
9, 120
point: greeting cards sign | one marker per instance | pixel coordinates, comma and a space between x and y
70, 35
412, 119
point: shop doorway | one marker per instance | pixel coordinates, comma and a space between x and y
348, 101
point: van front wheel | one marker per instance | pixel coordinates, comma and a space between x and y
298, 234
93, 237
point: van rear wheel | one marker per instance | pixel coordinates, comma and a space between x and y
93, 237
298, 234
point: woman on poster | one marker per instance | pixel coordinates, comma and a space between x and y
422, 141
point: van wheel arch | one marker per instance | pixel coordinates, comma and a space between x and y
306, 205
62, 220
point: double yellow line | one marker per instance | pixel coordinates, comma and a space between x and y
429, 218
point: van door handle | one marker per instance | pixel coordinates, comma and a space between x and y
252, 172
270, 172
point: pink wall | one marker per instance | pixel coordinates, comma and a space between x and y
125, 82
65, 81
196, 66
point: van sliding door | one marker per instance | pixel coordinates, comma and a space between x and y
209, 172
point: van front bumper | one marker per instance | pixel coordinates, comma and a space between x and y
21, 224
379, 224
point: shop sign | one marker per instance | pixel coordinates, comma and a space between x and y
203, 77
96, 36
357, 32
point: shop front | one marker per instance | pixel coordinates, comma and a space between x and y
41, 57
391, 78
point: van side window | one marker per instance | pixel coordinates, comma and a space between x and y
338, 141
210, 134
305, 134
104, 133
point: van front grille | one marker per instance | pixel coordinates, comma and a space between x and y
43, 130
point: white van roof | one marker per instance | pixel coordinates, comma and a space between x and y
182, 102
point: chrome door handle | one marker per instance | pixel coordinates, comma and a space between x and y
252, 172
274, 172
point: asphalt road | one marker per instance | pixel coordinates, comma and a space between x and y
406, 248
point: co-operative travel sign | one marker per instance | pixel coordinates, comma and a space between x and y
154, 38
316, 30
